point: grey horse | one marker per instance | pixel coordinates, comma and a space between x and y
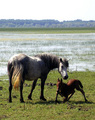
22, 67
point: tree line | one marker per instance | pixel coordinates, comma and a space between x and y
12, 23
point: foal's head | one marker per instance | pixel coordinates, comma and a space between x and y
63, 65
60, 85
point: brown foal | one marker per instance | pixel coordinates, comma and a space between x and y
69, 89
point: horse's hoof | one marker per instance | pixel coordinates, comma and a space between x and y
86, 100
10, 101
22, 101
42, 98
56, 101
29, 97
64, 101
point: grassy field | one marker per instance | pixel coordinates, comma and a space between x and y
48, 30
75, 109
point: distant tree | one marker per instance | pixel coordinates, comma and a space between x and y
45, 23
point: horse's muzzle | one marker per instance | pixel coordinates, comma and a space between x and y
65, 77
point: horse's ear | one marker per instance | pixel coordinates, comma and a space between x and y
60, 59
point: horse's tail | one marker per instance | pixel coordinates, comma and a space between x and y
80, 84
17, 75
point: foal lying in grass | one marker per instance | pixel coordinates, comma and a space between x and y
69, 89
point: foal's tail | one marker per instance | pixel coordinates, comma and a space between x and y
80, 84
16, 73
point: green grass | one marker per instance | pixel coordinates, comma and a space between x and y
36, 109
48, 30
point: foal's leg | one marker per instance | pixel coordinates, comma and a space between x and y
65, 99
33, 87
56, 96
42, 89
83, 94
70, 95
81, 90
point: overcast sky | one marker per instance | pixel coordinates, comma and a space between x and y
47, 9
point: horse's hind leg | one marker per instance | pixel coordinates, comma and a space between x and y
21, 89
10, 90
33, 87
10, 73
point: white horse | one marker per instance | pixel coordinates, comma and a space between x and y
22, 67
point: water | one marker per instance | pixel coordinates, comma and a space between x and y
79, 48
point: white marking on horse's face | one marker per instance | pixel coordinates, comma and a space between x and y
63, 70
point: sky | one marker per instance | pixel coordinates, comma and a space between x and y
62, 10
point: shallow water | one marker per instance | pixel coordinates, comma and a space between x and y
79, 48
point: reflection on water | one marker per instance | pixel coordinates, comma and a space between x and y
79, 48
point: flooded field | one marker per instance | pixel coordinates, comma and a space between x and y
79, 48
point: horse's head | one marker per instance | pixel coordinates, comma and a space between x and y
63, 65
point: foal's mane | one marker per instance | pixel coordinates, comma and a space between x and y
50, 61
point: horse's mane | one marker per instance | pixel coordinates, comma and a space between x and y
51, 61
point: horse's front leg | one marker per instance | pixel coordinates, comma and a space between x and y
42, 89
33, 87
